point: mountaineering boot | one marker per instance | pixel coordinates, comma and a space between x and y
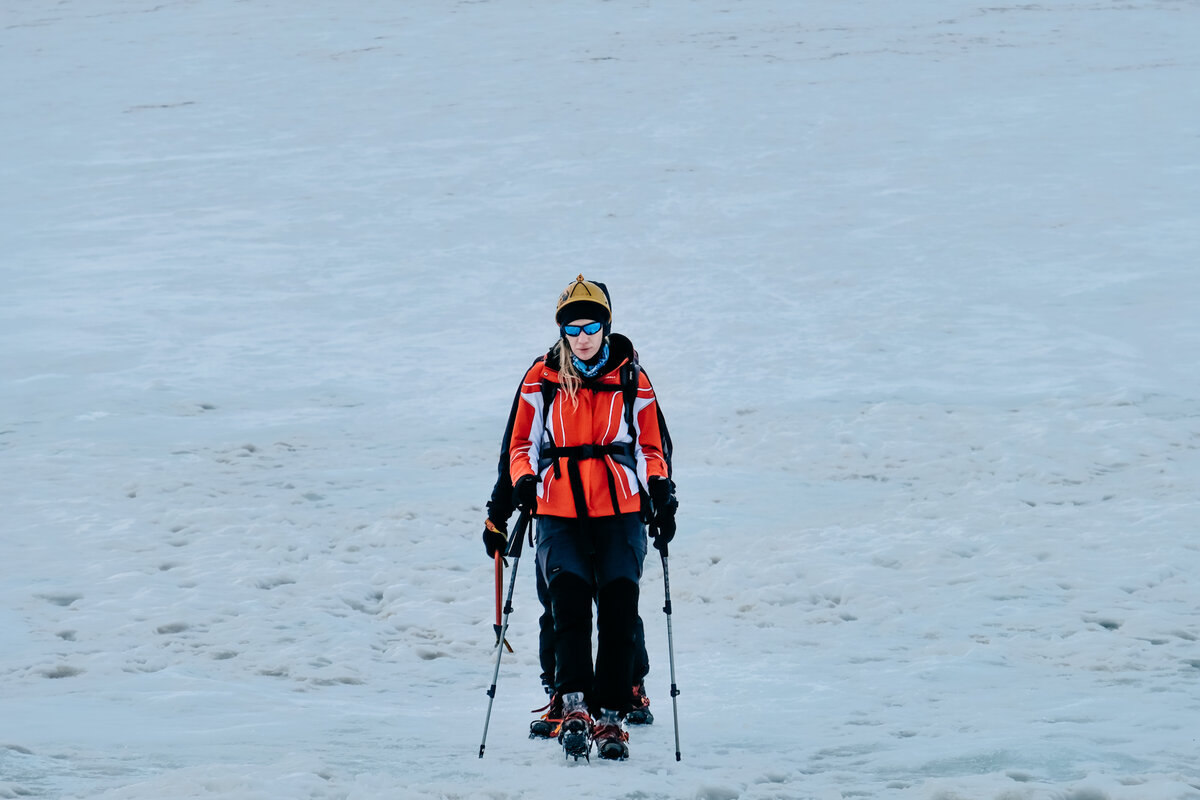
640, 713
612, 741
547, 726
575, 732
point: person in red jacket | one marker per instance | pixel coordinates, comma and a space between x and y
587, 456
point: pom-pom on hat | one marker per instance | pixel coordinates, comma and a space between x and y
583, 300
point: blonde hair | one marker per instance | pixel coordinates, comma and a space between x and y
568, 376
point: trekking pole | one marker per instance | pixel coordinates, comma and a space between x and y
514, 552
670, 642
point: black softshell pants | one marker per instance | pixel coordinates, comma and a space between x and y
546, 657
595, 559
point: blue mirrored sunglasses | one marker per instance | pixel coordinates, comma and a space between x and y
589, 329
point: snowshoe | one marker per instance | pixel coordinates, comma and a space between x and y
547, 727
640, 713
575, 735
612, 741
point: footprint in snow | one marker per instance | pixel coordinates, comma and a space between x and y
64, 599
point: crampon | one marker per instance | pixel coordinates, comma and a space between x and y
640, 713
575, 735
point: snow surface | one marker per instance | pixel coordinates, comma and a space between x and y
917, 284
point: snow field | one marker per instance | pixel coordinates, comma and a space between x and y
914, 282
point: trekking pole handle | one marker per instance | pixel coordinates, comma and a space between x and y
654, 537
499, 581
516, 542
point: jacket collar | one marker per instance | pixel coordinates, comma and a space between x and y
620, 352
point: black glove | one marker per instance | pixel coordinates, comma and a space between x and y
495, 538
525, 493
663, 505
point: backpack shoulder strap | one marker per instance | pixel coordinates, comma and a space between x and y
549, 389
631, 375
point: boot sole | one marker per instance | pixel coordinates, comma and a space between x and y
613, 751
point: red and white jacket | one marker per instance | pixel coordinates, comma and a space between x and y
590, 461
